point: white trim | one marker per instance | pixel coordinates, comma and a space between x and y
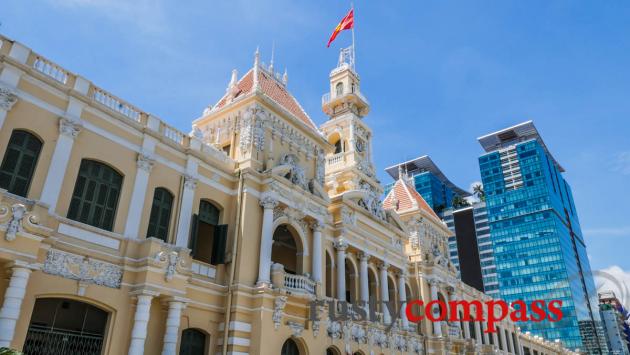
238, 341
237, 326
88, 236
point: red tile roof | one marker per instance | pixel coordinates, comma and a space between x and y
274, 90
403, 197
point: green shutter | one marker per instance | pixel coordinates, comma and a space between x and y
18, 164
208, 213
192, 241
160, 214
219, 244
95, 197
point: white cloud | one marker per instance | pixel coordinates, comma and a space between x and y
146, 15
621, 163
607, 232
615, 279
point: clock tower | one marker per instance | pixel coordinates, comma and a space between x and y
349, 167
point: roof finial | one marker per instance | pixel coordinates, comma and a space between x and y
285, 77
234, 79
400, 172
256, 64
273, 49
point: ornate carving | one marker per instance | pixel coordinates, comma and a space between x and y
83, 269
340, 244
69, 128
320, 167
399, 342
296, 172
196, 132
145, 162
278, 310
348, 217
371, 202
252, 130
334, 330
190, 182
15, 223
317, 225
414, 345
7, 98
296, 328
380, 339
172, 259
358, 334
267, 201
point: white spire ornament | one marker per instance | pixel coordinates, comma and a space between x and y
255, 85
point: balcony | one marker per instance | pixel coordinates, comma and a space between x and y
299, 284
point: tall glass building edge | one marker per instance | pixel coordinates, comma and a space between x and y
537, 242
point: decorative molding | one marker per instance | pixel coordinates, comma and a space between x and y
8, 98
334, 329
145, 162
348, 217
69, 128
15, 223
268, 202
340, 244
83, 269
278, 310
171, 258
399, 343
358, 334
296, 328
296, 172
190, 182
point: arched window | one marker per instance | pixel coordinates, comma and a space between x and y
64, 326
339, 89
19, 162
290, 348
193, 342
208, 238
332, 351
329, 276
338, 146
95, 197
353, 88
285, 249
160, 214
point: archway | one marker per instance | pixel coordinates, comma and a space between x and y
290, 347
332, 351
193, 342
373, 288
393, 295
65, 326
329, 276
351, 282
287, 249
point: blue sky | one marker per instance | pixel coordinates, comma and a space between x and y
437, 73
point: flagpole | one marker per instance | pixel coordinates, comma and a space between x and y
354, 58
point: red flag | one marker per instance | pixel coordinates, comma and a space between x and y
345, 24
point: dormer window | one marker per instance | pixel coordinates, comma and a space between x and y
352, 88
339, 89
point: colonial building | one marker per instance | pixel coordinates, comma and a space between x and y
122, 235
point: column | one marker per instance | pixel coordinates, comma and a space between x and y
185, 214
385, 292
136, 205
268, 203
13, 297
341, 246
402, 297
68, 131
316, 254
511, 343
495, 339
503, 340
437, 326
172, 327
7, 100
140, 322
454, 297
486, 336
363, 279
478, 335
466, 330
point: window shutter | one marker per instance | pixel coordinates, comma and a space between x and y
192, 241
219, 244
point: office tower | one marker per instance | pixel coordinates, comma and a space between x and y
538, 245
470, 246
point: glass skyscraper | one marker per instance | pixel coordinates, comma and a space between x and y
538, 248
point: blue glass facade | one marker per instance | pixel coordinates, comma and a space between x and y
539, 251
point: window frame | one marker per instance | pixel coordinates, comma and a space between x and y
22, 152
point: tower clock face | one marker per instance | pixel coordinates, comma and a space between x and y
360, 146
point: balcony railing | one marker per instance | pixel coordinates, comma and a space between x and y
326, 97
299, 283
45, 341
336, 159
100, 97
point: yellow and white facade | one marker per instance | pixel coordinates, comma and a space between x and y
122, 235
